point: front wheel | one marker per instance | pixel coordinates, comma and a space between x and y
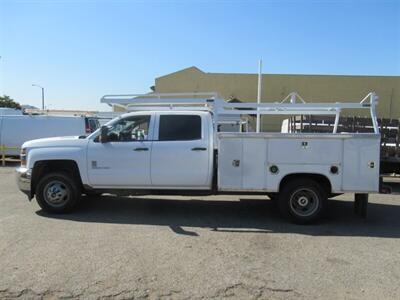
57, 193
302, 200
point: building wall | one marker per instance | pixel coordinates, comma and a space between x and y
275, 87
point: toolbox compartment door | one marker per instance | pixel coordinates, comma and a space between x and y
242, 164
361, 165
230, 164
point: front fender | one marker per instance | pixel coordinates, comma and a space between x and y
77, 154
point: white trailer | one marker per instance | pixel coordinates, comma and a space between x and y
174, 147
6, 111
17, 129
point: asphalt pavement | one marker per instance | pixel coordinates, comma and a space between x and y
195, 248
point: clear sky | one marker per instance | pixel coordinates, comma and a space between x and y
81, 50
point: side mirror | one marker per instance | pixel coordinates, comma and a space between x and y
104, 134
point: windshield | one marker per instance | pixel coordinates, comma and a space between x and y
108, 124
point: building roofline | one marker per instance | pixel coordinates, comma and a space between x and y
182, 70
311, 75
280, 74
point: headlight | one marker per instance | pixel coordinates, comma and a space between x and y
23, 157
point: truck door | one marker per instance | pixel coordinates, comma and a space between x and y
181, 151
123, 161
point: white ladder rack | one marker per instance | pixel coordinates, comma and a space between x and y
211, 102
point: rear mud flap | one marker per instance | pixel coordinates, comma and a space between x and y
361, 205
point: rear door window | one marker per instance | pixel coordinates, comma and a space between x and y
179, 128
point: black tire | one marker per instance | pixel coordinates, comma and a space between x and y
57, 193
303, 201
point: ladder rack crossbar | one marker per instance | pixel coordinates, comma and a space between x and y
168, 107
278, 112
302, 106
129, 98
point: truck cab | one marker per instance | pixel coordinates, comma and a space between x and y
157, 150
138, 151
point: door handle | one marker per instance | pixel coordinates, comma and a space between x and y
141, 149
199, 149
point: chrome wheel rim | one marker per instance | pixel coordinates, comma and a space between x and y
304, 202
56, 193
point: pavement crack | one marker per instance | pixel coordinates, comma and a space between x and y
31, 294
241, 290
279, 290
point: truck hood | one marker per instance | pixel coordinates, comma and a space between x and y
63, 141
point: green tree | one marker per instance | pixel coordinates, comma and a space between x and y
6, 101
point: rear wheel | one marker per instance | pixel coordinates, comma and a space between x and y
57, 193
302, 200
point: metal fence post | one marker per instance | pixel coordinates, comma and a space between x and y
3, 155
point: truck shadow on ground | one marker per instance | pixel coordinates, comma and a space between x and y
253, 216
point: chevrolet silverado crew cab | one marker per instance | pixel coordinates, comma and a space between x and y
173, 146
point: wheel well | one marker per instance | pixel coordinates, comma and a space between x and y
44, 167
322, 179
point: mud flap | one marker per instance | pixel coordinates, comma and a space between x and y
361, 205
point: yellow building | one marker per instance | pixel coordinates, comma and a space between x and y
275, 87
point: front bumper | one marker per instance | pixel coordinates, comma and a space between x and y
23, 176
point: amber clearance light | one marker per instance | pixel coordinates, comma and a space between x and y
23, 157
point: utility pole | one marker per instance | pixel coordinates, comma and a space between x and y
42, 94
259, 90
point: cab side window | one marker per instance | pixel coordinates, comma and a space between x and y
130, 129
179, 128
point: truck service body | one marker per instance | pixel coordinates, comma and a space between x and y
179, 151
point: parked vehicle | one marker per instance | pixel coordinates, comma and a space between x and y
177, 150
6, 111
17, 129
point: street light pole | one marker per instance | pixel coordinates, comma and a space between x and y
258, 124
42, 94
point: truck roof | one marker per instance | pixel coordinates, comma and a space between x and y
170, 112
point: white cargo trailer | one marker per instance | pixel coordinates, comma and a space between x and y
173, 146
6, 111
17, 129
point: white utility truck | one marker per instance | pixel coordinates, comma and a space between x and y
172, 146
